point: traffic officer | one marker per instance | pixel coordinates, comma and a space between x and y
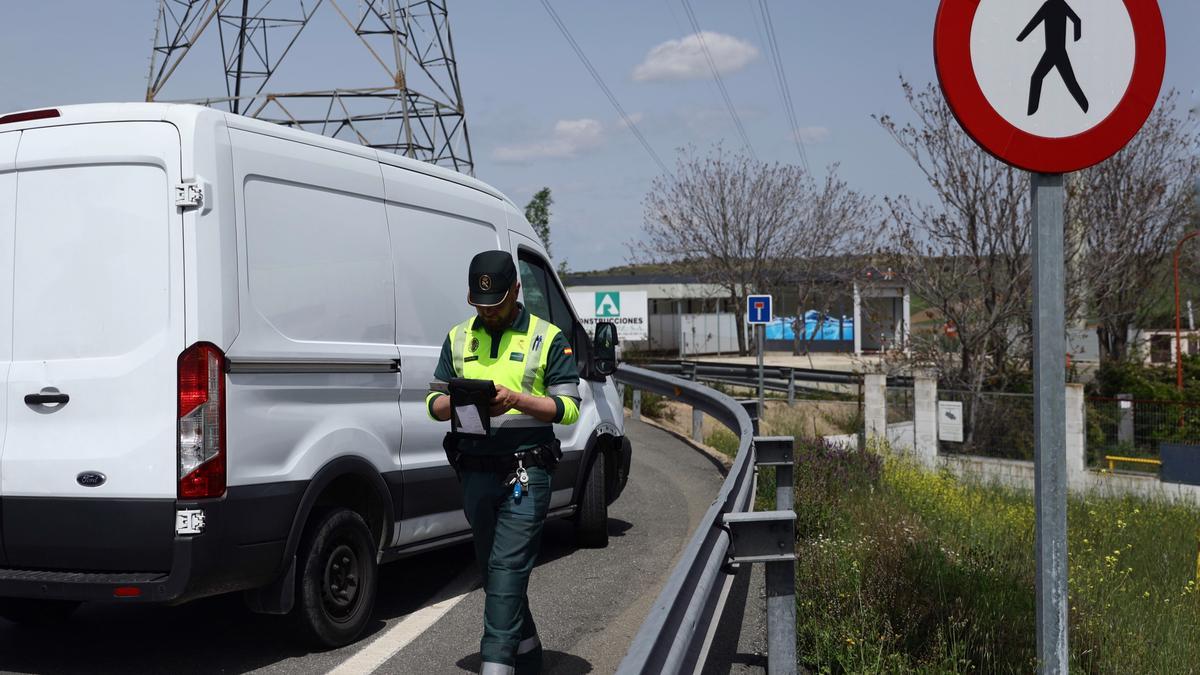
505, 476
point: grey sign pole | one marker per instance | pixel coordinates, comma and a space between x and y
761, 329
1049, 421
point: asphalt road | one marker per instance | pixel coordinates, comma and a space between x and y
588, 603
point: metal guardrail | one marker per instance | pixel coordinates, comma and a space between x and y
676, 632
711, 369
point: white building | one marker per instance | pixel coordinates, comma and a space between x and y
687, 316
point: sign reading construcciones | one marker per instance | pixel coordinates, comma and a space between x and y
627, 309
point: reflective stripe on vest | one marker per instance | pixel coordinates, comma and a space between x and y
458, 345
536, 348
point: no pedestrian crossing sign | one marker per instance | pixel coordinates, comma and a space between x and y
758, 309
1050, 86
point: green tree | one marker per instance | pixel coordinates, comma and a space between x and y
537, 212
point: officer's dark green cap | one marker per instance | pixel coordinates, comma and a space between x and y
492, 273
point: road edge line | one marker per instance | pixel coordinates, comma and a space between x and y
385, 646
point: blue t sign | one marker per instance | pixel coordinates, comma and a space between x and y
758, 309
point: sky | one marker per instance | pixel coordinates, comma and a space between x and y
536, 117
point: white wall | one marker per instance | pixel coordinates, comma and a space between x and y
709, 333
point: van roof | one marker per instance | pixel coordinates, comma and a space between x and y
185, 116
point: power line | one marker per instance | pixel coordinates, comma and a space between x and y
785, 92
737, 121
625, 118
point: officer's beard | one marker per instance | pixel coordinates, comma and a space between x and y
498, 321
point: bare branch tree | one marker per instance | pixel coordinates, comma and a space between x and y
1133, 209
966, 254
740, 223
839, 221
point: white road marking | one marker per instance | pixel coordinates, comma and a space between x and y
384, 647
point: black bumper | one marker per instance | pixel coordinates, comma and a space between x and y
242, 546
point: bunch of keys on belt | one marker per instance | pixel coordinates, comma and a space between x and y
519, 479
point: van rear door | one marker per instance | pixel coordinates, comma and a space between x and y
8, 202
88, 469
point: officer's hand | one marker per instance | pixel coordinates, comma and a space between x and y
505, 399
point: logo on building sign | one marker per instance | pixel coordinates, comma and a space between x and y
608, 305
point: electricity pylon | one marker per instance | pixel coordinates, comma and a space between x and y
417, 111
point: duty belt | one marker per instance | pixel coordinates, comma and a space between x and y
501, 463
545, 456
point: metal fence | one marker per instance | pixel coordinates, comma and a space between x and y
899, 404
995, 424
1128, 427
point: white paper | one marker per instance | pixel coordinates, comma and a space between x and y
469, 421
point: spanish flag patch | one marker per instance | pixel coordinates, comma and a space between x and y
568, 350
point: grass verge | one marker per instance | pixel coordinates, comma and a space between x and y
906, 570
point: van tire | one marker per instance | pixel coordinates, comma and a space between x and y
337, 580
29, 612
591, 525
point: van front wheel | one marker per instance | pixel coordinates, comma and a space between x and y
591, 525
335, 591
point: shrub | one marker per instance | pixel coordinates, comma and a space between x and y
653, 405
724, 440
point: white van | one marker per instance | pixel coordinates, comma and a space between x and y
216, 337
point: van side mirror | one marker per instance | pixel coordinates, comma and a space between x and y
604, 348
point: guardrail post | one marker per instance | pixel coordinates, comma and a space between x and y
697, 425
751, 407
636, 407
791, 387
779, 452
770, 537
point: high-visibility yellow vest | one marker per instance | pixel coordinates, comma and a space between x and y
519, 364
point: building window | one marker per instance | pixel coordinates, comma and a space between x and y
1160, 348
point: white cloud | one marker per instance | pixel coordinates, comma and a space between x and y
683, 59
813, 134
570, 138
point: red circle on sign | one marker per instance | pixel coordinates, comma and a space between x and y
1043, 154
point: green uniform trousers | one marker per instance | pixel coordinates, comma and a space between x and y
508, 532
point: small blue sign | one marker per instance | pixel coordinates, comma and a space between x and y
758, 309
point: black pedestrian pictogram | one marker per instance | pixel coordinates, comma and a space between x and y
1054, 14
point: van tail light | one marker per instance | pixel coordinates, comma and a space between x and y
201, 448
29, 116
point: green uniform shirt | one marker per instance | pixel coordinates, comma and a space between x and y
531, 356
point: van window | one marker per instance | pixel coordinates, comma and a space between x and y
320, 263
91, 274
542, 295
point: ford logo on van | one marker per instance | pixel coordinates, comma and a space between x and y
91, 479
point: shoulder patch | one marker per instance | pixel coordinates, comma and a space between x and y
568, 350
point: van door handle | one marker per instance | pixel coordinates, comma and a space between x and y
42, 399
